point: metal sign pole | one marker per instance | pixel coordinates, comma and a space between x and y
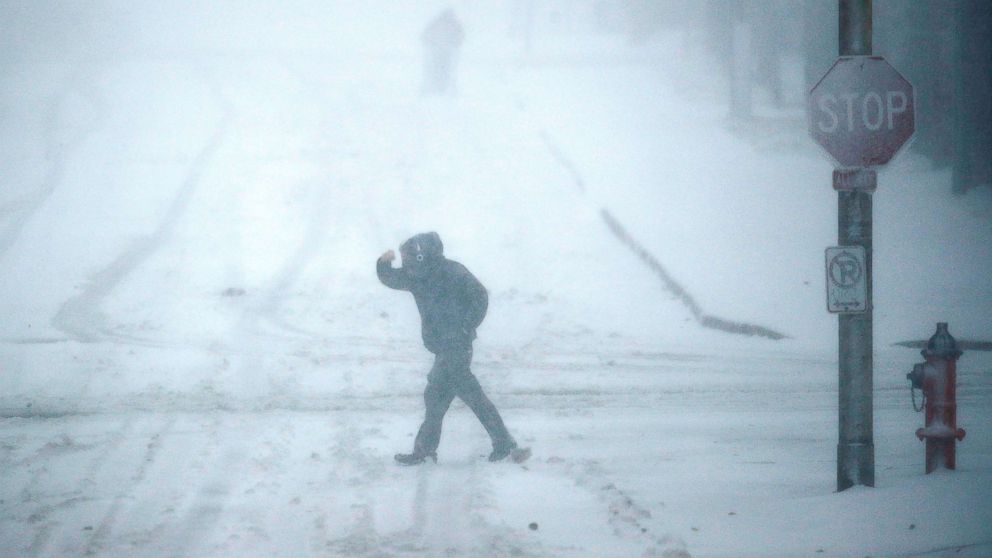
856, 446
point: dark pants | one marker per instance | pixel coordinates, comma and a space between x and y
451, 376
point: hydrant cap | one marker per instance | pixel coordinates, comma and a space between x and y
942, 344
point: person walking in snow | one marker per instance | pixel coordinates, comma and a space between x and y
452, 304
441, 39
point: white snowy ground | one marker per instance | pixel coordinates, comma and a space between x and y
197, 360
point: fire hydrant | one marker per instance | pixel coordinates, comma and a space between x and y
937, 377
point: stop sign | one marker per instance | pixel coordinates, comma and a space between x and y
861, 111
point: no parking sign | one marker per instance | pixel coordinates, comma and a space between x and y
847, 284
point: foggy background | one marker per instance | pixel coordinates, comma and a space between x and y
196, 357
941, 46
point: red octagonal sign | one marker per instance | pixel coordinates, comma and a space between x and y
862, 111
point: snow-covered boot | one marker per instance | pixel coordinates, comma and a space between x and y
501, 451
414, 458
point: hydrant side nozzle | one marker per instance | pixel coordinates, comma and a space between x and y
916, 375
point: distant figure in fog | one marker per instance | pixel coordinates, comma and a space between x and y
442, 38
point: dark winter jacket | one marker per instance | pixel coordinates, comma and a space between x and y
451, 301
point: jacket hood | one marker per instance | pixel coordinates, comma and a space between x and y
422, 251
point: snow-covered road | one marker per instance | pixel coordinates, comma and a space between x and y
638, 454
197, 359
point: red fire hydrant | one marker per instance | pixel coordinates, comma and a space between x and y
937, 377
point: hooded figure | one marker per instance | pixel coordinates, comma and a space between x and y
452, 304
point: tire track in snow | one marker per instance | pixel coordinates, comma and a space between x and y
278, 291
626, 517
450, 527
102, 532
671, 285
209, 502
498, 540
558, 155
80, 317
317, 231
59, 152
449, 514
362, 539
43, 535
706, 320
